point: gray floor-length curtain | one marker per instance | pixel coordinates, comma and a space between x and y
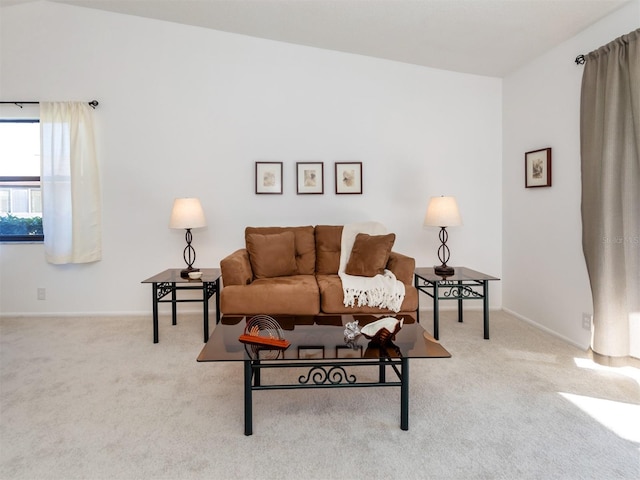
610, 150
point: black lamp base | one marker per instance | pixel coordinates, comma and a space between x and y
443, 255
444, 270
185, 273
189, 256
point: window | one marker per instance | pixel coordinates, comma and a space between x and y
20, 195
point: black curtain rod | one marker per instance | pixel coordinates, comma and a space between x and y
580, 59
92, 103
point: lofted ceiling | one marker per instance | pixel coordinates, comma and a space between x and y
484, 37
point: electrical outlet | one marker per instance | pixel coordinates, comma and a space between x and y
586, 321
42, 293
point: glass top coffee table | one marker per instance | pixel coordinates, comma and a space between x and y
317, 343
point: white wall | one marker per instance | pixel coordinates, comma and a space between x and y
545, 279
186, 111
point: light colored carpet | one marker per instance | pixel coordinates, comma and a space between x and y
94, 398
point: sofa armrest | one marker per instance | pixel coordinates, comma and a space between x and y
236, 268
402, 267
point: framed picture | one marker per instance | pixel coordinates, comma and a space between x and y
349, 177
537, 168
310, 177
269, 177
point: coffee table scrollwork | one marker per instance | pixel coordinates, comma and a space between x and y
322, 375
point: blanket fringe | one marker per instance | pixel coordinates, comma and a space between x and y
376, 297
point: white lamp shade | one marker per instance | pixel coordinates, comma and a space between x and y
442, 212
187, 213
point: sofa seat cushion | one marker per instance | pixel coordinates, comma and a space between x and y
293, 295
332, 298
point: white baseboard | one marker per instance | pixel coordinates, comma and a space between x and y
199, 311
74, 314
449, 306
546, 329
519, 317
162, 312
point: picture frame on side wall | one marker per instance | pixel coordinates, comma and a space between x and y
348, 178
310, 176
269, 178
537, 168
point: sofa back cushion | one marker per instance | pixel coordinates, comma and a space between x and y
272, 255
328, 240
304, 246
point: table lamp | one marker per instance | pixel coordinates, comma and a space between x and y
443, 212
187, 213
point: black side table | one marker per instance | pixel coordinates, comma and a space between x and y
464, 284
170, 281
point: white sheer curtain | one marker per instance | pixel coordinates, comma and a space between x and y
71, 203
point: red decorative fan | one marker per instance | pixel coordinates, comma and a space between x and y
264, 330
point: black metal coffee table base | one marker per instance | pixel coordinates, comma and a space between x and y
320, 356
327, 374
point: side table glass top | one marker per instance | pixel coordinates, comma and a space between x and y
172, 275
461, 274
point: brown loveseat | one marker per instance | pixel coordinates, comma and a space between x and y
294, 271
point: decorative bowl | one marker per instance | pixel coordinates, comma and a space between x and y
382, 331
195, 275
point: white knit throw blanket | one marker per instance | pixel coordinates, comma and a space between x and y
382, 291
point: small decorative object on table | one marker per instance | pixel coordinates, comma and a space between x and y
351, 333
382, 331
351, 330
265, 331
